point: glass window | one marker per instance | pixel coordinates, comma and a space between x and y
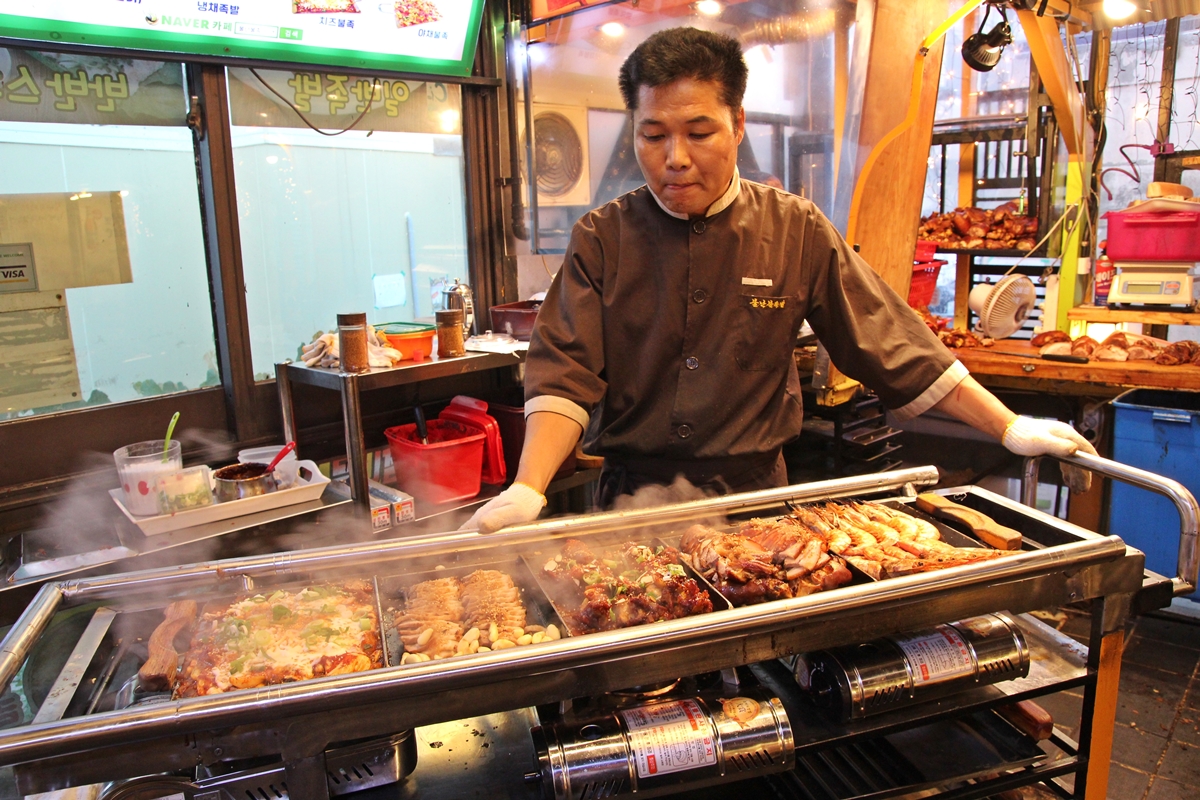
1185, 108
1131, 117
370, 220
583, 140
104, 293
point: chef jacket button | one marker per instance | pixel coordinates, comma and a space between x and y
692, 362
698, 226
684, 431
699, 296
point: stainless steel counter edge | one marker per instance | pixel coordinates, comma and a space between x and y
108, 587
194, 714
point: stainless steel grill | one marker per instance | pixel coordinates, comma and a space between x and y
301, 721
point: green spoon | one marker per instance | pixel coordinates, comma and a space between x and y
170, 430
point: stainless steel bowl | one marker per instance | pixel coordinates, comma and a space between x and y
237, 481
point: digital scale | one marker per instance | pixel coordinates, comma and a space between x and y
1152, 283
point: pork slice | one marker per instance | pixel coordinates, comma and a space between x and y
1138, 352
1111, 353
1084, 346
1050, 337
1057, 348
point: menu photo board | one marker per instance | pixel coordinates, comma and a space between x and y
426, 36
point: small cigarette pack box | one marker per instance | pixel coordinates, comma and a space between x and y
400, 504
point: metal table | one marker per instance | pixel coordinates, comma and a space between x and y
351, 386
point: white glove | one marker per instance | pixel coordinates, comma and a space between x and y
1027, 436
516, 504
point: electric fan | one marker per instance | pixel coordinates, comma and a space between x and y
1003, 307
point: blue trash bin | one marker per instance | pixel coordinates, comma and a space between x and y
1157, 430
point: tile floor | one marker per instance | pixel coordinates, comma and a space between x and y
1156, 744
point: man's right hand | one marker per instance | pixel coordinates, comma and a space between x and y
515, 505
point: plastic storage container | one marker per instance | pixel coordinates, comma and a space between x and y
515, 319
511, 420
924, 281
1153, 235
1157, 430
473, 412
925, 250
414, 340
445, 470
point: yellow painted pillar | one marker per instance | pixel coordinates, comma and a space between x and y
1070, 288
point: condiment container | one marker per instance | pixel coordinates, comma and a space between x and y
287, 470
414, 340
1103, 280
352, 342
243, 480
139, 466
189, 488
450, 333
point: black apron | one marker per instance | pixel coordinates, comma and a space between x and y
623, 476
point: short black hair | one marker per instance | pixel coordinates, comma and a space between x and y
678, 53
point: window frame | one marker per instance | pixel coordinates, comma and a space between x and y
44, 450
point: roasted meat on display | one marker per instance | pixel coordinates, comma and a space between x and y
796, 555
447, 617
631, 584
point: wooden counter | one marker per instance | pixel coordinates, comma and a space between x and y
1005, 365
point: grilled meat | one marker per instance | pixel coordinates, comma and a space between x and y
447, 617
630, 585
489, 597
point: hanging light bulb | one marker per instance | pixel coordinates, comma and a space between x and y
1119, 9
982, 50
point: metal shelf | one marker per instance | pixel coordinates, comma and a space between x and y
351, 386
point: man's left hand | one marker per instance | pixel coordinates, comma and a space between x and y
1027, 436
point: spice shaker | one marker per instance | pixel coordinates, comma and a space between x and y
450, 333
352, 342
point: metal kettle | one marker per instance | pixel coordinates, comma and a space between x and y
460, 296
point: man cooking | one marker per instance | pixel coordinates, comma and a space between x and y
666, 338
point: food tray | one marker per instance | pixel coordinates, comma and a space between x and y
390, 591
564, 607
310, 484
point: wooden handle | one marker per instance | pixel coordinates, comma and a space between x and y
1029, 718
983, 526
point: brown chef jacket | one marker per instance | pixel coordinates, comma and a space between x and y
671, 340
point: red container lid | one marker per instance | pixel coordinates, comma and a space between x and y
470, 411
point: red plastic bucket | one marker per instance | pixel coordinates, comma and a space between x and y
924, 281
445, 470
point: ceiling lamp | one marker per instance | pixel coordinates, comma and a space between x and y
982, 50
1119, 9
613, 30
708, 8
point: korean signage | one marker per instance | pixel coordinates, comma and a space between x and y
332, 101
61, 87
431, 36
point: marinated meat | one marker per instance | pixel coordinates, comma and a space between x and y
1049, 337
976, 228
628, 585
1175, 353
